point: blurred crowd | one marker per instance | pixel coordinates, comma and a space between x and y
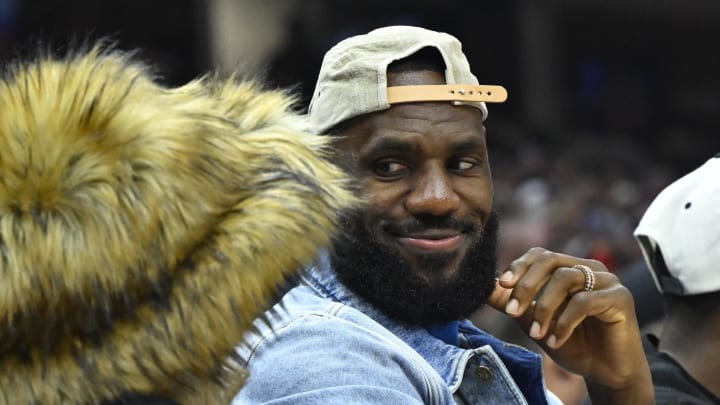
582, 198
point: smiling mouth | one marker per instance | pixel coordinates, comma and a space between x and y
432, 242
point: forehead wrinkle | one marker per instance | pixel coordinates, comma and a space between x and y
400, 127
436, 114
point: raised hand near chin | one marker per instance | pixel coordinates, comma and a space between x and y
584, 319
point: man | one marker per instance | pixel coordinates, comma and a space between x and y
680, 238
381, 319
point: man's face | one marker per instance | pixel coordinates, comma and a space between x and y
425, 175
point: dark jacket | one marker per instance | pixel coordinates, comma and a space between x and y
673, 385
143, 228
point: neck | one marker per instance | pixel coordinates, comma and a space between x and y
691, 339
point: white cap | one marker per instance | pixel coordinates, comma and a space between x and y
353, 81
684, 223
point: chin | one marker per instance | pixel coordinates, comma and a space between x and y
436, 269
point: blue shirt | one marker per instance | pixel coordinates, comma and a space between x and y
323, 344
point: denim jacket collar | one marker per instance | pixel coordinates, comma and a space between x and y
524, 366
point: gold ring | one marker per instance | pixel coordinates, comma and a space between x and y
589, 276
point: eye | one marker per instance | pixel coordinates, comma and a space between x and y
463, 165
389, 168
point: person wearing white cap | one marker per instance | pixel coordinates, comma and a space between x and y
679, 235
382, 317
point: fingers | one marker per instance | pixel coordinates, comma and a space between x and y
563, 303
606, 306
563, 283
530, 273
499, 297
542, 286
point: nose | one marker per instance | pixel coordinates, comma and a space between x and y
433, 194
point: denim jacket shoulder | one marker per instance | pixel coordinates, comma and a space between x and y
322, 343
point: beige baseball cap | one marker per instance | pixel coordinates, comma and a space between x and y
353, 76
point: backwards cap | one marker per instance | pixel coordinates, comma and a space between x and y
353, 76
683, 222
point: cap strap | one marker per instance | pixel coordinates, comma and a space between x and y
446, 92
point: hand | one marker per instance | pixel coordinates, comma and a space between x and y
591, 333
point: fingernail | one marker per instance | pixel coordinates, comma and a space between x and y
512, 307
507, 276
535, 330
551, 341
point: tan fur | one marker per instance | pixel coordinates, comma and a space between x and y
143, 228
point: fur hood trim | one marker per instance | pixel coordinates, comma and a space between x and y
143, 228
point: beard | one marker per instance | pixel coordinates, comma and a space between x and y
377, 271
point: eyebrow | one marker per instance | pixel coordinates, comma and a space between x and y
392, 145
402, 147
467, 145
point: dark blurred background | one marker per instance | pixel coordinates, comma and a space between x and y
609, 100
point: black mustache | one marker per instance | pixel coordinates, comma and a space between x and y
420, 224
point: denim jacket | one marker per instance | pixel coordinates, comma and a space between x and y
323, 344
